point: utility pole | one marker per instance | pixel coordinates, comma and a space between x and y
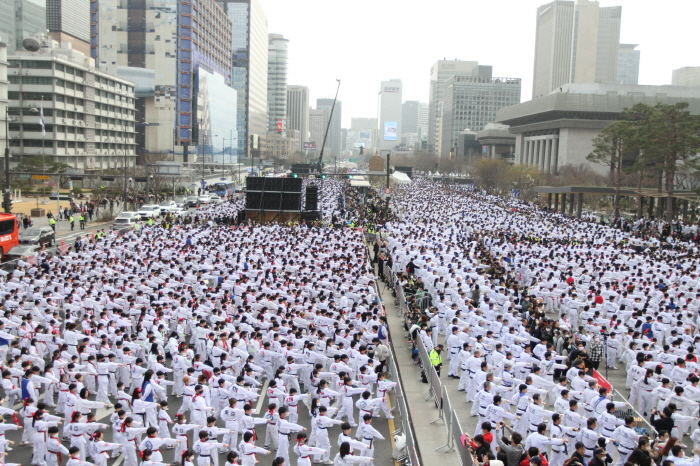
388, 162
6, 198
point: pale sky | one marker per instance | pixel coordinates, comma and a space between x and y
364, 42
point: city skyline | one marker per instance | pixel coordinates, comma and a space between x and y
436, 35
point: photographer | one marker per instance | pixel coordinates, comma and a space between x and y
515, 450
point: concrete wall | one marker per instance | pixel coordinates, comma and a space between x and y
575, 144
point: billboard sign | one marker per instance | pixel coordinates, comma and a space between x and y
309, 146
391, 130
364, 135
279, 125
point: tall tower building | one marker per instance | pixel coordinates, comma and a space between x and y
69, 21
389, 114
575, 43
19, 20
298, 111
123, 45
277, 83
410, 116
318, 120
334, 134
471, 102
628, 64
440, 72
250, 44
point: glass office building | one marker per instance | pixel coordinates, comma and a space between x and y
203, 47
27, 20
249, 42
216, 112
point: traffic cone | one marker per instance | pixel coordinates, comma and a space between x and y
63, 242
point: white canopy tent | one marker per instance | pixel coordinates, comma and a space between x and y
400, 178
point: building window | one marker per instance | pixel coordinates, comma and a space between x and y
32, 95
13, 79
35, 64
13, 63
60, 98
59, 67
60, 83
36, 80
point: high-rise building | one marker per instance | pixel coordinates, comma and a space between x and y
440, 72
471, 102
277, 83
575, 43
410, 116
424, 121
204, 92
19, 20
298, 111
628, 64
344, 139
318, 120
389, 113
89, 115
250, 45
69, 21
363, 124
687, 76
334, 131
3, 96
132, 41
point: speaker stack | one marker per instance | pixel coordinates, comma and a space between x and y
312, 197
273, 199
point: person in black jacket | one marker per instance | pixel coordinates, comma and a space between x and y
662, 422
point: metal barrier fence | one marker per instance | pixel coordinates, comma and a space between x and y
465, 457
641, 425
412, 454
425, 364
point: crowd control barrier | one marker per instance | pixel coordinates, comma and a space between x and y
641, 425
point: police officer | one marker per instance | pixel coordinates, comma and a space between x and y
435, 358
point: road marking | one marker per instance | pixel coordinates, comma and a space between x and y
261, 399
119, 460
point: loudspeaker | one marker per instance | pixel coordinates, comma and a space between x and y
292, 185
311, 216
271, 200
274, 184
291, 201
312, 197
253, 200
254, 183
241, 216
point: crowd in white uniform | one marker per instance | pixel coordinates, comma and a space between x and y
207, 314
596, 287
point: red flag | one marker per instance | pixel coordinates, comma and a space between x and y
16, 419
601, 381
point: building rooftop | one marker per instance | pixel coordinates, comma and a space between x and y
599, 101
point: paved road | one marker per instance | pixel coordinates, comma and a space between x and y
383, 449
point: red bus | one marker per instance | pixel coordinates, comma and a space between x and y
9, 233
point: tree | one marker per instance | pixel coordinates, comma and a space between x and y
35, 164
608, 149
674, 131
489, 173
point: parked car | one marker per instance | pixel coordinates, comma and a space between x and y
124, 222
180, 201
179, 212
215, 199
204, 199
167, 206
149, 211
134, 215
38, 235
20, 251
192, 201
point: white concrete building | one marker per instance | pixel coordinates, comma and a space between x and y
277, 83
558, 129
88, 114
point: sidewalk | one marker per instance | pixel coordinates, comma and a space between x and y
62, 226
429, 436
